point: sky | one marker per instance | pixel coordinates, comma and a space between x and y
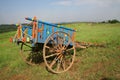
15, 11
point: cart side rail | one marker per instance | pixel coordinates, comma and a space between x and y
50, 24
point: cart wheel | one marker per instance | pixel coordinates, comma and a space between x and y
30, 55
59, 52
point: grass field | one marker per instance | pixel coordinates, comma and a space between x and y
92, 63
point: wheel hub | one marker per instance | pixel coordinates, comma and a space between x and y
63, 52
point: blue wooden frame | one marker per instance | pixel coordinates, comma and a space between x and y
48, 29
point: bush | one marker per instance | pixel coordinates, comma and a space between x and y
113, 21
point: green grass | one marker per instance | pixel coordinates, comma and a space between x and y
91, 32
93, 63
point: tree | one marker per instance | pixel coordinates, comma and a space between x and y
113, 21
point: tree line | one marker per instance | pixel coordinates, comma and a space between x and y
111, 21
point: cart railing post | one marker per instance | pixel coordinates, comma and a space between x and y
19, 32
35, 29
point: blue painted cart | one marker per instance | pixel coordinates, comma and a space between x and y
55, 43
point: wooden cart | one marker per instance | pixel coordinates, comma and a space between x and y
54, 42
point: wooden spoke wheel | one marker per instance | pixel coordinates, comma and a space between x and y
30, 55
59, 52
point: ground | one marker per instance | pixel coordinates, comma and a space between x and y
92, 63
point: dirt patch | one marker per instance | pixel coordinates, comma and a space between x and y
118, 76
5, 45
4, 69
75, 67
118, 47
19, 77
99, 66
95, 68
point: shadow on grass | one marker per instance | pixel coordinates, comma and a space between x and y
108, 78
32, 55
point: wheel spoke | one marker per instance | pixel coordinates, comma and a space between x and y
51, 38
58, 65
51, 50
57, 39
68, 43
52, 55
63, 65
47, 47
61, 39
70, 49
66, 46
59, 46
59, 42
53, 62
54, 44
59, 62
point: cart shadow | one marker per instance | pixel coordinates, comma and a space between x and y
36, 55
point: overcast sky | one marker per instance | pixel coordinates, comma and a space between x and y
14, 11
